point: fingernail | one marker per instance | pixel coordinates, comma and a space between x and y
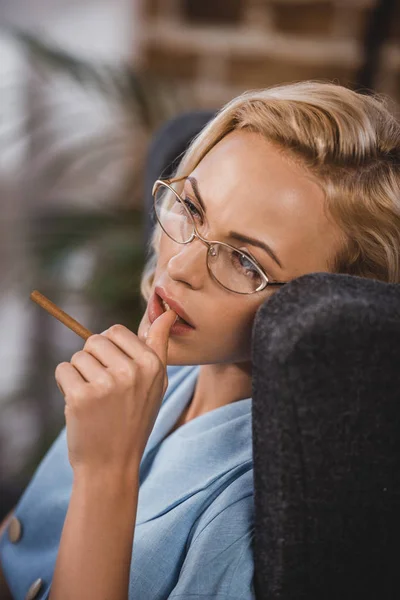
103, 332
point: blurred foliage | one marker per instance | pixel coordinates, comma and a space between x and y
117, 242
152, 100
112, 229
144, 102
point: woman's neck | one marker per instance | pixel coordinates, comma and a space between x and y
218, 385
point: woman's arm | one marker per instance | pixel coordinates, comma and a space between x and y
93, 561
5, 593
113, 391
4, 523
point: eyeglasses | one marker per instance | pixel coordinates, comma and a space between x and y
181, 219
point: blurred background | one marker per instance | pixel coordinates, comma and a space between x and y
84, 85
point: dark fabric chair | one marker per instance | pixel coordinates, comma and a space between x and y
326, 425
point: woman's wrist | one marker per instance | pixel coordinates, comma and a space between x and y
108, 482
96, 543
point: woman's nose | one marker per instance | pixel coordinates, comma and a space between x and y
190, 262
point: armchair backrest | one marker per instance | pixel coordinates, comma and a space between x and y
326, 427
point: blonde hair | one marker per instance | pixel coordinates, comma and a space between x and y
348, 141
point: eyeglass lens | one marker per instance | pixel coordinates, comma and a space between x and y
231, 268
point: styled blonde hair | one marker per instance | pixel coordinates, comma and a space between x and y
349, 142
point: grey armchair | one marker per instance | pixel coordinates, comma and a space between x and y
326, 426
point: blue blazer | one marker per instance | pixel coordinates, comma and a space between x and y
195, 518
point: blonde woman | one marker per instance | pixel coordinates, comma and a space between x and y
147, 493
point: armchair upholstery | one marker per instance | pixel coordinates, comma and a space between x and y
326, 440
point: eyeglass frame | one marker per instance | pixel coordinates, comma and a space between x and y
264, 284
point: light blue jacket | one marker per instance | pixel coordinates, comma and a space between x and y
194, 527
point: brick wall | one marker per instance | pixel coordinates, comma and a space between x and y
223, 47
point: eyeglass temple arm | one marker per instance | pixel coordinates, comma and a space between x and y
173, 179
168, 181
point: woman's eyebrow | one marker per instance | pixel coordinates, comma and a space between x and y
234, 234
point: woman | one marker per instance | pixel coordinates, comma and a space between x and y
147, 493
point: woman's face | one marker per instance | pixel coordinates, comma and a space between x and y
251, 187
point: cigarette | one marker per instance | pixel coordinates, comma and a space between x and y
59, 314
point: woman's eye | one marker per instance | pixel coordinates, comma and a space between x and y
248, 265
244, 263
191, 207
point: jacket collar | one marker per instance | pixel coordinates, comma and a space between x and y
209, 450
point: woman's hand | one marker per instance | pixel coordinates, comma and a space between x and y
113, 390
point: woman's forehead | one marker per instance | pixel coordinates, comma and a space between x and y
249, 185
244, 172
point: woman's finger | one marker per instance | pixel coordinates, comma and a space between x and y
107, 352
88, 366
158, 336
68, 377
127, 341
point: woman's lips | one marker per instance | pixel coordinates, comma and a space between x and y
173, 304
155, 308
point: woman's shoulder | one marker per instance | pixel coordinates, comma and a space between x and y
234, 504
219, 559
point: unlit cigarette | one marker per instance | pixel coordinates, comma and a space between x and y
59, 314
